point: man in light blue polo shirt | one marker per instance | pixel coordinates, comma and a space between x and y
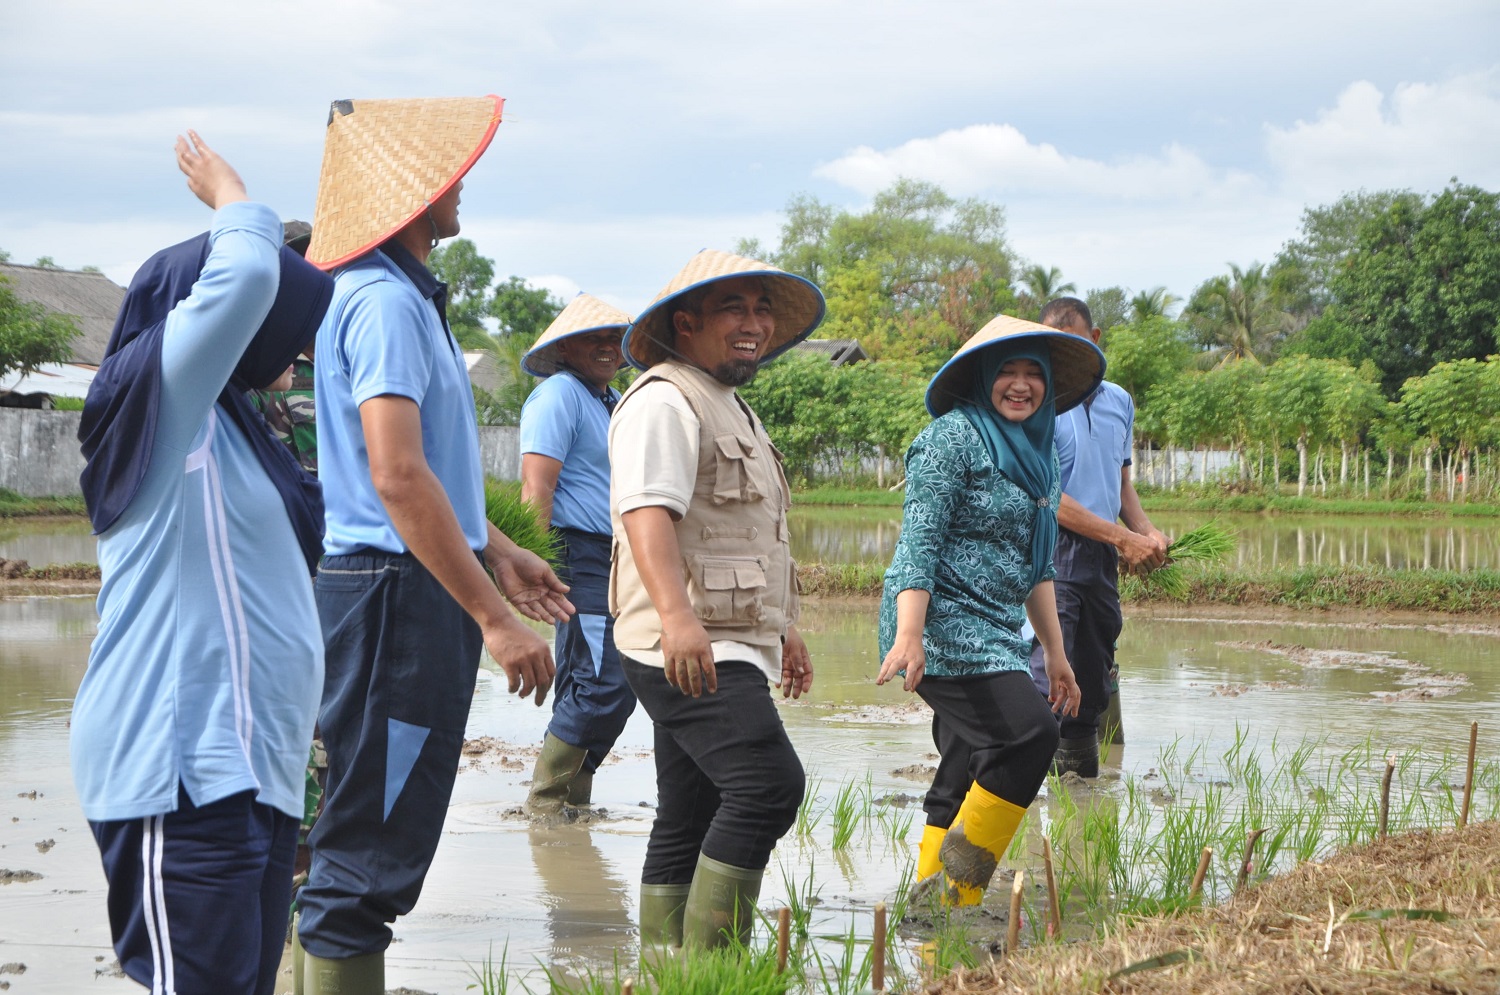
403, 597
565, 472
1094, 442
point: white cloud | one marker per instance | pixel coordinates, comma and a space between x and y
1418, 137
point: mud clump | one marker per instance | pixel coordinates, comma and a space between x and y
8, 876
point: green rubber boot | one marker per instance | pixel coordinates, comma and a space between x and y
661, 914
720, 905
1111, 725
1081, 756
364, 975
297, 958
556, 767
581, 788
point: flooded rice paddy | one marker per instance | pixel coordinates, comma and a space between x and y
1201, 695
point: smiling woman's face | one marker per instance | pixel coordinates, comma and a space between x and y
1020, 387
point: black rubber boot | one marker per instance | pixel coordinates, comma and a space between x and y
1080, 756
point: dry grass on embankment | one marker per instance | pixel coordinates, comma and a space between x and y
1340, 926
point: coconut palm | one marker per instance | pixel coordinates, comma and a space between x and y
1238, 316
1153, 303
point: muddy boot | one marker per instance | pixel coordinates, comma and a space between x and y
661, 914
364, 975
928, 862
720, 905
556, 767
974, 844
1081, 756
581, 788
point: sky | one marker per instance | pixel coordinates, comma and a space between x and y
1137, 144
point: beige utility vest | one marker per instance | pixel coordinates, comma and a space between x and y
736, 552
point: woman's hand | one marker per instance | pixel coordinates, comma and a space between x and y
906, 654
1062, 689
211, 179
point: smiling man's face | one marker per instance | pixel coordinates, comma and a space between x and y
730, 332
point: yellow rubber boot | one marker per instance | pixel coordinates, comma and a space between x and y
974, 844
928, 862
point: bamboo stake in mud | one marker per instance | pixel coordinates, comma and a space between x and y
1054, 912
1463, 815
628, 988
1385, 797
877, 956
1196, 891
783, 937
1250, 842
1013, 929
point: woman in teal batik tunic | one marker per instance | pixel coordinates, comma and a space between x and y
974, 560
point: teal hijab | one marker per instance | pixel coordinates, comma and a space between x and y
1022, 451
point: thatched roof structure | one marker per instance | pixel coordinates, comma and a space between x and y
91, 299
837, 351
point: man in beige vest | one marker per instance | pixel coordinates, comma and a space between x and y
703, 590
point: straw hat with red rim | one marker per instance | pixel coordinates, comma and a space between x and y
796, 304
387, 161
584, 314
1077, 364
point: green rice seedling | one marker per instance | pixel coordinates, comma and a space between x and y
808, 813
897, 822
901, 900
711, 972
1017, 848
489, 978
845, 972
519, 520
1205, 544
801, 896
848, 811
950, 946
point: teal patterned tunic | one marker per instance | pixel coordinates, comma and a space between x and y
966, 538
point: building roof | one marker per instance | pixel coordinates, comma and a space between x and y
838, 351
57, 379
92, 299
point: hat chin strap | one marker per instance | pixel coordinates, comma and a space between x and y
433, 223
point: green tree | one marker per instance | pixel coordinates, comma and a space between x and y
1038, 285
1237, 316
1108, 307
30, 335
1423, 283
45, 262
1353, 403
468, 276
1295, 395
1145, 353
1328, 243
1454, 403
523, 311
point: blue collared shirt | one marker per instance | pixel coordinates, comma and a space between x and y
209, 660
1093, 444
385, 334
565, 419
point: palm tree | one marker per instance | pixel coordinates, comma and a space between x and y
1044, 284
1238, 316
1153, 303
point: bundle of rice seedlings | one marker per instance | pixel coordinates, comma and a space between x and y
1205, 544
519, 520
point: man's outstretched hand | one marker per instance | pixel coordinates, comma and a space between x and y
211, 179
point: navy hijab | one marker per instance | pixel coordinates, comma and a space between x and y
1022, 451
119, 417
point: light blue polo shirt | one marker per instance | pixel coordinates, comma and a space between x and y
1093, 444
566, 420
383, 335
208, 663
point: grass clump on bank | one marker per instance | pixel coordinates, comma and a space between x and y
850, 497
1216, 501
13, 505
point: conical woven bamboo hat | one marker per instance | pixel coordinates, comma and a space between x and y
796, 304
1077, 364
386, 161
585, 313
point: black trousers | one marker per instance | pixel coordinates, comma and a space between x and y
990, 728
728, 782
1088, 608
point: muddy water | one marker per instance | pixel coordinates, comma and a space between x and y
565, 897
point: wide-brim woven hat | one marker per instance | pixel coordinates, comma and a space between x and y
584, 314
1077, 364
796, 304
387, 161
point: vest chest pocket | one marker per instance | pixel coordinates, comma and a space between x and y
733, 465
727, 590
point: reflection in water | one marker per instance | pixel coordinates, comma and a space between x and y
584, 900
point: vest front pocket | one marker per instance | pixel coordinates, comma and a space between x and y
727, 590
732, 473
